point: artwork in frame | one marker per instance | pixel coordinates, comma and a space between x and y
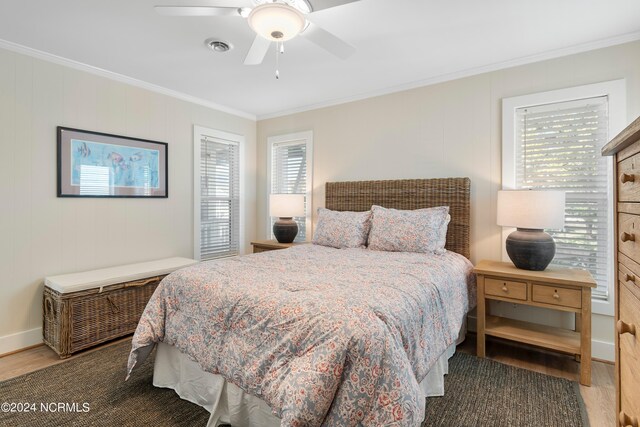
95, 164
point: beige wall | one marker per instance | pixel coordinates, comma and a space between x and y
43, 235
442, 130
448, 129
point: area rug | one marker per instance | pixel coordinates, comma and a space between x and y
482, 392
90, 391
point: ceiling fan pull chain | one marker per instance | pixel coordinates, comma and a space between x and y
281, 47
277, 63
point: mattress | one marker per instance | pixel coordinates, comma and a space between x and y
321, 335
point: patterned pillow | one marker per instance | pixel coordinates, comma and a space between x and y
342, 229
420, 230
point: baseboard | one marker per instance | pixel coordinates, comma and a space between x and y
600, 350
21, 340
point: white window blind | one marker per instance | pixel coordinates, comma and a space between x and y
219, 198
289, 175
558, 147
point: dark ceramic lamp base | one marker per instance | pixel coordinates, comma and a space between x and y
285, 230
530, 249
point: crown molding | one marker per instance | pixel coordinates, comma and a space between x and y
18, 48
557, 53
552, 54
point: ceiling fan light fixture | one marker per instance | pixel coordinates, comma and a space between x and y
276, 21
303, 6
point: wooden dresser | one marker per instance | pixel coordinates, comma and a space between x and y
626, 149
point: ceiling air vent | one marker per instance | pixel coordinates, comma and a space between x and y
218, 45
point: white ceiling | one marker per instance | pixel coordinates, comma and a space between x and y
399, 43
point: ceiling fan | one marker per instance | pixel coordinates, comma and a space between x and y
273, 21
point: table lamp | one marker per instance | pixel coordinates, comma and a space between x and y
531, 211
285, 207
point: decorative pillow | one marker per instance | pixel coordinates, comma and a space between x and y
420, 230
342, 229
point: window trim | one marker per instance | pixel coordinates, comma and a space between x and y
291, 137
198, 133
615, 90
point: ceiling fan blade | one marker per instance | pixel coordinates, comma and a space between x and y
197, 11
326, 4
258, 51
328, 41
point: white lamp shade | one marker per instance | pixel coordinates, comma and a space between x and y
286, 205
534, 209
276, 21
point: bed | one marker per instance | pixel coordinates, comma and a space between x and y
313, 335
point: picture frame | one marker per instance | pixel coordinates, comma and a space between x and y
96, 164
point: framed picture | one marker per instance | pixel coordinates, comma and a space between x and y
94, 164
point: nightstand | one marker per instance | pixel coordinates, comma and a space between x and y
269, 245
555, 288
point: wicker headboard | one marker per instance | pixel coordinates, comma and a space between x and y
358, 196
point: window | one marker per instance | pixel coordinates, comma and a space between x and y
217, 194
558, 147
290, 160
553, 141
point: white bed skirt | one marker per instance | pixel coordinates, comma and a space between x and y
229, 404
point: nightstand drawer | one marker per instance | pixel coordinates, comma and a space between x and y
506, 289
557, 296
629, 179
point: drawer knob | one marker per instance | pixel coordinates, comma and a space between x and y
625, 328
630, 278
555, 295
625, 177
504, 288
628, 237
627, 421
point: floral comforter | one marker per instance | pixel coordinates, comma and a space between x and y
332, 337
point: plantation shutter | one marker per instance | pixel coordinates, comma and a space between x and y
220, 198
289, 175
558, 147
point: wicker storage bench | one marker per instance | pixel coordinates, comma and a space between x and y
84, 309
